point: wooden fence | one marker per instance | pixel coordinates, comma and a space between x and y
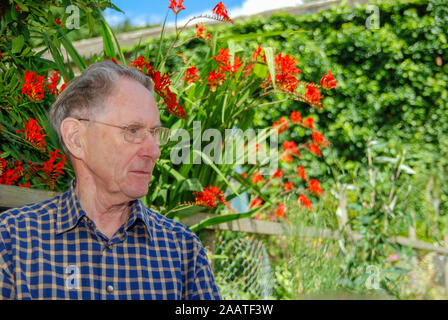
12, 196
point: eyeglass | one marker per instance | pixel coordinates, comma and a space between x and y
135, 133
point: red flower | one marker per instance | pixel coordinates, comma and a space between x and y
223, 57
161, 86
19, 167
286, 72
314, 149
281, 210
33, 134
236, 64
257, 202
256, 178
304, 201
176, 6
257, 53
26, 185
33, 86
191, 75
278, 173
9, 176
171, 104
296, 117
291, 147
328, 81
2, 166
314, 186
248, 69
52, 86
215, 79
62, 88
301, 172
141, 64
318, 139
161, 82
282, 125
308, 122
18, 8
53, 170
34, 168
115, 61
221, 11
286, 157
313, 95
289, 185
200, 32
208, 197
58, 21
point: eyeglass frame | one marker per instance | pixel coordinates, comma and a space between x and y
126, 127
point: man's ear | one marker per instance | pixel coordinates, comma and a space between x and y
72, 133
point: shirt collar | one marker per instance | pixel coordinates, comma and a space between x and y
70, 212
140, 212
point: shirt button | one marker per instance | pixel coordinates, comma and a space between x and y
110, 289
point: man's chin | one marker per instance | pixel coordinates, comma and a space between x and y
138, 186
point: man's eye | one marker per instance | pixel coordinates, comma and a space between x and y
134, 130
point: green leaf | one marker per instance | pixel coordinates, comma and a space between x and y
226, 218
90, 22
17, 44
108, 44
183, 211
192, 184
170, 170
261, 70
111, 43
58, 59
77, 59
231, 46
269, 52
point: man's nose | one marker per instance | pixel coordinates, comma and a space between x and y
149, 147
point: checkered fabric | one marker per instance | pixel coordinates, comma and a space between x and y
52, 250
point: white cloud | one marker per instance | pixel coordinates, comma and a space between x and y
113, 18
250, 7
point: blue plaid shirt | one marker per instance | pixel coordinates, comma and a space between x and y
52, 250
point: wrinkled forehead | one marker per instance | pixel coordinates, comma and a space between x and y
131, 102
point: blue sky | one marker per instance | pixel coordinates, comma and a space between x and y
140, 12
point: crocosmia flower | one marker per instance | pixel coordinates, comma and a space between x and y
176, 6
221, 11
328, 81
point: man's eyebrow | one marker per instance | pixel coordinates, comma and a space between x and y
139, 123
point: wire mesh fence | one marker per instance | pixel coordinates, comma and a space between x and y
242, 268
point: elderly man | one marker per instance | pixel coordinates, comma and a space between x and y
97, 240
